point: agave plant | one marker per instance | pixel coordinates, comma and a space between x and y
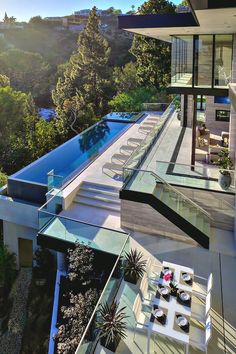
134, 266
111, 324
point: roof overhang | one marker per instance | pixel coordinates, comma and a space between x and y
203, 21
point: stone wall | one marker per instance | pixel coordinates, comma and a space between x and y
215, 127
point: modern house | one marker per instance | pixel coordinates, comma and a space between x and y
148, 181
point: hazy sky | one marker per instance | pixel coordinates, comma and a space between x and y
23, 10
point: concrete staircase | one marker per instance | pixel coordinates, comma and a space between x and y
98, 195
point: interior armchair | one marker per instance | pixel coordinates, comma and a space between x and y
202, 137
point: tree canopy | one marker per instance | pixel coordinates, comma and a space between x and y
81, 95
27, 71
153, 56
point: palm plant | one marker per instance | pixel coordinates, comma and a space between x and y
134, 266
111, 325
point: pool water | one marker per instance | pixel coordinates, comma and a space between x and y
74, 155
126, 117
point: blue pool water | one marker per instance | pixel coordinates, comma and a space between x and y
69, 158
126, 117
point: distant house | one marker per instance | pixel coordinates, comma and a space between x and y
4, 26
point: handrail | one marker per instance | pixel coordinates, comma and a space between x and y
79, 222
173, 189
100, 298
152, 135
189, 165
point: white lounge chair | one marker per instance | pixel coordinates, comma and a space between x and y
145, 129
119, 157
112, 167
127, 148
134, 141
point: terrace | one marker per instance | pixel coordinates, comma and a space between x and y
64, 220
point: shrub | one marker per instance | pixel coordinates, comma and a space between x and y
80, 263
76, 317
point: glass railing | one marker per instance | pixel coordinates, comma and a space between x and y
148, 182
90, 339
140, 153
74, 231
197, 176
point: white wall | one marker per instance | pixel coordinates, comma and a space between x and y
18, 213
214, 126
11, 233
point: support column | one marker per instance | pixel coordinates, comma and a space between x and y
61, 261
194, 125
185, 112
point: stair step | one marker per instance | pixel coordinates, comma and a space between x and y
109, 190
95, 195
97, 203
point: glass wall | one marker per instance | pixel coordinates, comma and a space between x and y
223, 60
182, 61
203, 61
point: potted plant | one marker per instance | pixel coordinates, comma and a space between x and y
111, 325
225, 165
134, 266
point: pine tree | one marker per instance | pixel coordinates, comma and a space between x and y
152, 55
81, 96
6, 18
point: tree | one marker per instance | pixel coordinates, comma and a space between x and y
184, 3
6, 18
23, 135
7, 268
36, 21
9, 20
84, 89
125, 78
75, 317
4, 81
80, 262
27, 71
133, 100
153, 56
3, 179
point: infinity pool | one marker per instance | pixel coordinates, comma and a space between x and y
125, 117
70, 158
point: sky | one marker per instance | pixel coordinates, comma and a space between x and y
23, 10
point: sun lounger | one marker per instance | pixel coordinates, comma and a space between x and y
145, 129
127, 148
112, 167
120, 157
134, 141
151, 124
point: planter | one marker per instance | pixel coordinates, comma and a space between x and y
100, 348
224, 181
111, 348
132, 280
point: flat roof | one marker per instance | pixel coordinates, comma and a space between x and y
163, 26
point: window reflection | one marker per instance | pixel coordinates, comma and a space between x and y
223, 60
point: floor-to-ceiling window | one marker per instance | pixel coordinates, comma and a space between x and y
182, 61
202, 61
223, 60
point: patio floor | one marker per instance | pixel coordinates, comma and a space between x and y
223, 305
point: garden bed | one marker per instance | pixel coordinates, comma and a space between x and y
77, 300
